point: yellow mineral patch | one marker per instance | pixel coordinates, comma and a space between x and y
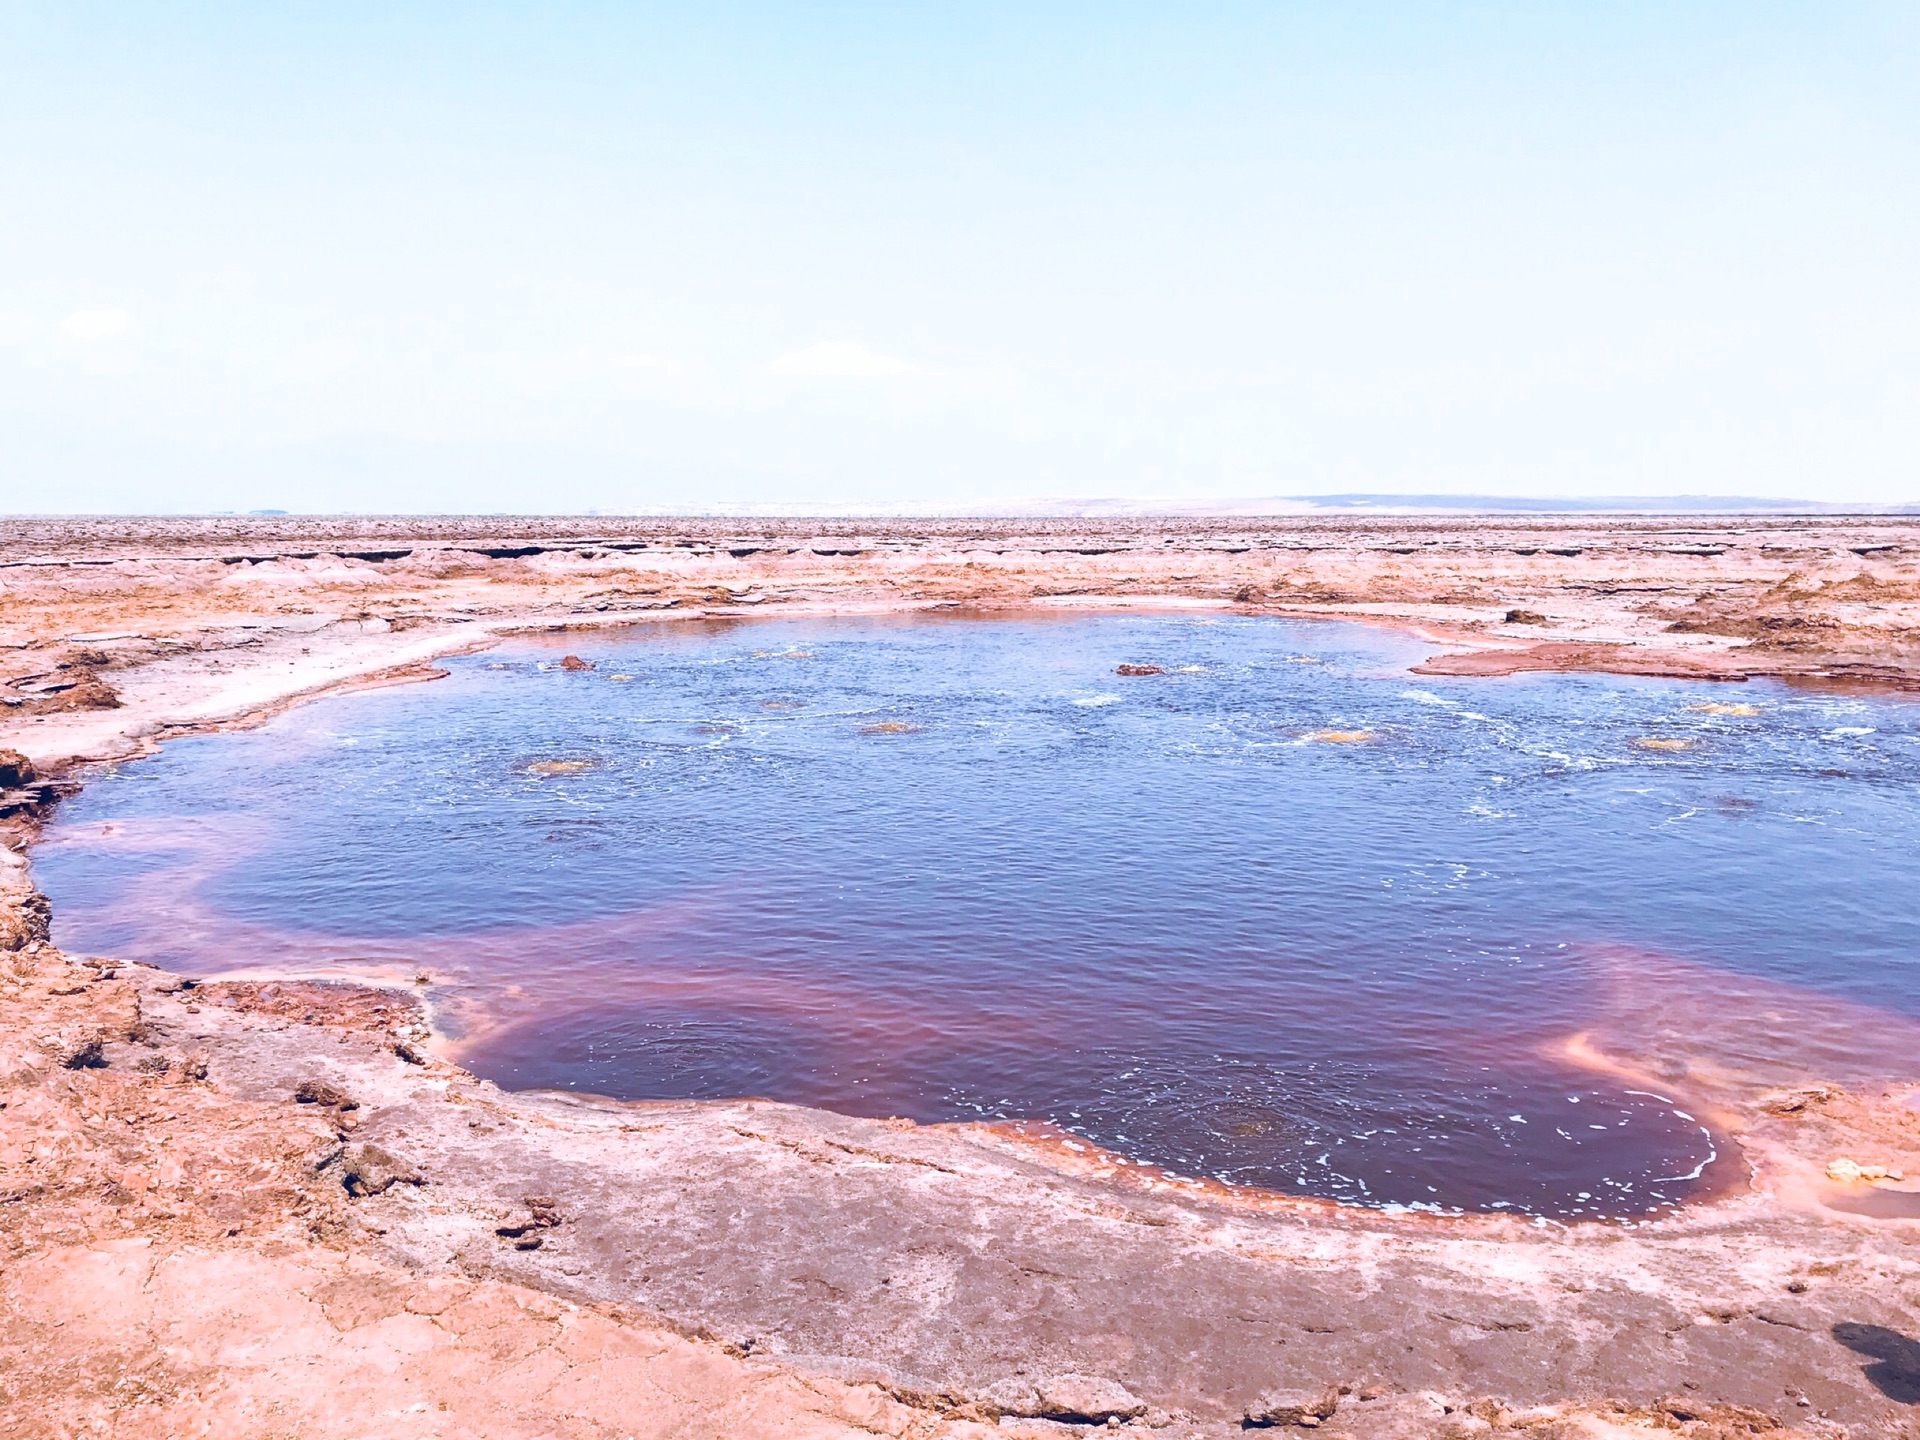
1847, 1171
1342, 737
1721, 707
1658, 742
559, 767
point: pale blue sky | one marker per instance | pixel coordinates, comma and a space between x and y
556, 256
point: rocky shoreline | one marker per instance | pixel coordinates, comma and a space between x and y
268, 1207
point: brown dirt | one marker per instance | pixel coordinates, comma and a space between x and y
209, 1215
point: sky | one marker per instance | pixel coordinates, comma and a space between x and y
568, 256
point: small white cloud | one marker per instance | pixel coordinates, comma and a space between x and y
652, 364
842, 360
102, 324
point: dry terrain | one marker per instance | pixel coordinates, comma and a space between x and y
246, 1207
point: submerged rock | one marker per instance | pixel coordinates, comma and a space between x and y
559, 767
574, 662
1138, 670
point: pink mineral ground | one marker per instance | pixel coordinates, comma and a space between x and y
192, 1248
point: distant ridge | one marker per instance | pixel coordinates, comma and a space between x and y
1304, 505
1120, 507
1635, 504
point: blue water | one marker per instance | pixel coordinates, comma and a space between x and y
957, 868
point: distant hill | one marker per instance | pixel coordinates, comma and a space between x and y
1461, 504
1636, 504
1308, 505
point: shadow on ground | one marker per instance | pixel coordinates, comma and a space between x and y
1895, 1371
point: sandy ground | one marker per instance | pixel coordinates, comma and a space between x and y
257, 1208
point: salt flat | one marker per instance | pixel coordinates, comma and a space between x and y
740, 1267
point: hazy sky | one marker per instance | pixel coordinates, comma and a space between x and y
555, 256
